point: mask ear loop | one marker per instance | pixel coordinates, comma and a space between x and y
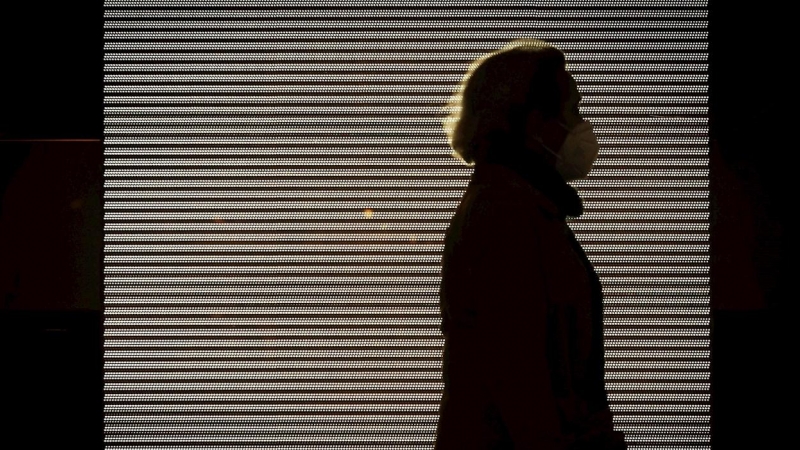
544, 146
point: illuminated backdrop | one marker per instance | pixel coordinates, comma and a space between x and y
278, 185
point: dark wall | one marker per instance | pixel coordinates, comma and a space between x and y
750, 170
51, 227
51, 161
52, 69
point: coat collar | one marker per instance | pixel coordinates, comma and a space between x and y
506, 165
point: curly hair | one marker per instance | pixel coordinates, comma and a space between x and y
496, 93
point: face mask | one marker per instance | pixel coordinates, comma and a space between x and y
578, 153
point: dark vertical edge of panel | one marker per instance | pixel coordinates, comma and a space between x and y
749, 186
52, 91
712, 215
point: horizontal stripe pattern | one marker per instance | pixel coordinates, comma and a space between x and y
278, 186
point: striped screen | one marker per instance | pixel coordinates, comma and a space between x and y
278, 186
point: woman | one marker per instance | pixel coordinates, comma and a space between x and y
521, 304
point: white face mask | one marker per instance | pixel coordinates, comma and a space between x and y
578, 152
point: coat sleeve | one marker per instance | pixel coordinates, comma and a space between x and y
512, 314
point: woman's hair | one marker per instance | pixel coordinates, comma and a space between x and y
497, 92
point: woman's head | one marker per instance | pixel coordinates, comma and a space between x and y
506, 93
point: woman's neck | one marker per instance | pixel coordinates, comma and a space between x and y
538, 171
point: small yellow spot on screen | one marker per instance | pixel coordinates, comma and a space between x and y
368, 213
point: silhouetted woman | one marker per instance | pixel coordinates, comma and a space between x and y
521, 304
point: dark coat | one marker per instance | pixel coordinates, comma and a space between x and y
522, 319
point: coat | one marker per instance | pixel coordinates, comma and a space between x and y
521, 312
